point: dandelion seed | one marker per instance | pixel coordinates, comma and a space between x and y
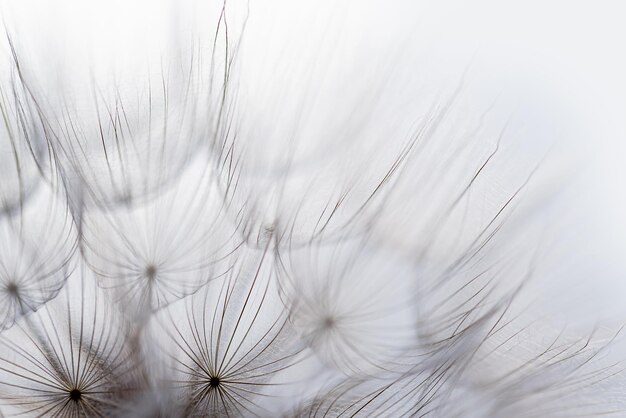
71, 358
229, 343
152, 254
33, 270
353, 303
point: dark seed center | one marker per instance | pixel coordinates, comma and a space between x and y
75, 395
151, 272
329, 322
214, 382
12, 289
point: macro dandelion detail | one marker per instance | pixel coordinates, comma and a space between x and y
71, 358
151, 254
352, 304
34, 270
233, 344
311, 209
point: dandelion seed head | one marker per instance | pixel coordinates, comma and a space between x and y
354, 304
32, 269
72, 355
234, 343
202, 217
154, 252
